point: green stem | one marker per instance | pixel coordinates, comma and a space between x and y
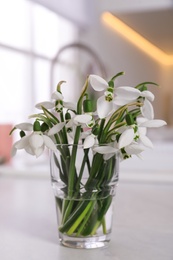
82, 226
95, 227
80, 218
104, 226
101, 129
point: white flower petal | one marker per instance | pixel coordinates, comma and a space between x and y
38, 151
24, 126
89, 141
128, 93
126, 138
29, 150
146, 141
134, 149
153, 123
108, 156
36, 140
104, 149
57, 96
121, 102
56, 128
141, 120
147, 94
82, 119
147, 110
49, 143
98, 83
142, 130
46, 104
104, 108
22, 143
84, 134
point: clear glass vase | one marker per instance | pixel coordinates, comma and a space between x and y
84, 184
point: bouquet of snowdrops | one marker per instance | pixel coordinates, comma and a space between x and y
114, 124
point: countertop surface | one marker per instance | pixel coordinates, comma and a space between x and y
142, 229
143, 212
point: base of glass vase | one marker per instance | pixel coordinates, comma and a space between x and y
84, 242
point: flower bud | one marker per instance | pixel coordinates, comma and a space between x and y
129, 119
87, 106
67, 116
44, 127
36, 126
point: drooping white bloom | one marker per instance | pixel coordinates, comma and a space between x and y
105, 103
50, 105
34, 144
120, 96
130, 135
125, 95
138, 132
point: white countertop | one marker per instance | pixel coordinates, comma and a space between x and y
143, 219
143, 222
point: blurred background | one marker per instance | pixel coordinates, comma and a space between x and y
44, 41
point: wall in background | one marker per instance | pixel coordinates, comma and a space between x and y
118, 54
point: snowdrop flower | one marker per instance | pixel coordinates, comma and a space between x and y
138, 132
58, 97
76, 120
130, 135
105, 104
58, 104
119, 96
127, 94
122, 130
34, 144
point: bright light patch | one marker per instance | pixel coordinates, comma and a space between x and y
138, 40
